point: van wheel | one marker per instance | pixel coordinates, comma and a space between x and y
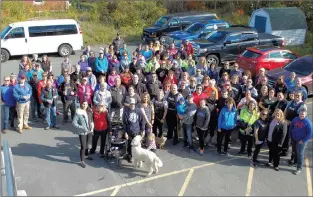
4, 55
213, 59
65, 50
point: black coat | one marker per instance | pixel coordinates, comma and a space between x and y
279, 133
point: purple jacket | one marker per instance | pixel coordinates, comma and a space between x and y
83, 65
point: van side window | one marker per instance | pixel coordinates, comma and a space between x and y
234, 38
248, 37
52, 30
17, 32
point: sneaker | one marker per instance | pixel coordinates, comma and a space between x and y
276, 169
47, 128
269, 164
20, 131
249, 156
241, 153
89, 158
291, 162
91, 152
201, 151
298, 171
257, 161
225, 153
55, 127
185, 146
82, 163
219, 153
27, 127
254, 164
229, 146
4, 131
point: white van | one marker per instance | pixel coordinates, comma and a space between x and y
43, 36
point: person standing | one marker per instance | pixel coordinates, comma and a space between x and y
171, 119
66, 64
260, 128
301, 131
102, 65
49, 99
85, 92
118, 42
46, 64
102, 127
67, 91
76, 76
9, 104
103, 97
159, 106
226, 124
212, 105
248, 115
276, 136
118, 92
22, 93
84, 124
202, 123
35, 105
133, 124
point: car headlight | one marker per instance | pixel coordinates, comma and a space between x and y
203, 50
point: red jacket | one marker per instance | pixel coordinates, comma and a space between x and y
41, 84
189, 49
197, 98
101, 120
171, 81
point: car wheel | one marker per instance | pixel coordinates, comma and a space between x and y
213, 59
65, 50
4, 55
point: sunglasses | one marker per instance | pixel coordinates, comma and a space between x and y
34, 75
264, 114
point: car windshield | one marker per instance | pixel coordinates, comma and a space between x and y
161, 22
302, 66
5, 31
216, 36
194, 28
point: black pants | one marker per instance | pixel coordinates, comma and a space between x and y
171, 121
12, 116
286, 144
294, 151
243, 140
256, 151
68, 105
220, 137
84, 141
212, 128
131, 136
157, 125
274, 153
95, 138
201, 134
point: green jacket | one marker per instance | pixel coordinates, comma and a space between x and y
248, 118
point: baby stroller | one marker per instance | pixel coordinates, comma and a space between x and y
116, 147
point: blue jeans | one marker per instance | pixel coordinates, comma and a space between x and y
53, 112
6, 115
187, 131
300, 148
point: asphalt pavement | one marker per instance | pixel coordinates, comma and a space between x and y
46, 163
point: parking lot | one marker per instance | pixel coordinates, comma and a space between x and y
46, 163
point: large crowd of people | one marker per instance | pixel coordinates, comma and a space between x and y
156, 85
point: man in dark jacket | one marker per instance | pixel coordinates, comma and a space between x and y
67, 91
133, 124
140, 88
49, 98
281, 102
76, 76
154, 86
35, 105
118, 42
117, 92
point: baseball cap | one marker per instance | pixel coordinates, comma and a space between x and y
132, 101
89, 68
22, 76
101, 52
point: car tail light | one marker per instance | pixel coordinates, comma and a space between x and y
283, 42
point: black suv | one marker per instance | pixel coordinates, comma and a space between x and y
174, 22
226, 43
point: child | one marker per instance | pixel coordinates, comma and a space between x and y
181, 108
151, 142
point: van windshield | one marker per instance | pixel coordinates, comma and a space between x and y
216, 36
161, 22
5, 31
194, 28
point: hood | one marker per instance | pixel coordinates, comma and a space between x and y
201, 43
152, 29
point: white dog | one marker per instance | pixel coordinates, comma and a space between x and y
139, 155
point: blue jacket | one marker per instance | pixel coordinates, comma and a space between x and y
60, 80
39, 74
102, 65
213, 74
301, 129
28, 74
7, 95
227, 119
19, 92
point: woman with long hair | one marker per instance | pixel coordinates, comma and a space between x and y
46, 64
269, 101
248, 115
147, 111
24, 62
276, 136
263, 93
83, 122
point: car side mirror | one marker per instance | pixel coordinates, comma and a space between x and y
227, 42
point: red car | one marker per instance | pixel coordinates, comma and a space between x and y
266, 57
